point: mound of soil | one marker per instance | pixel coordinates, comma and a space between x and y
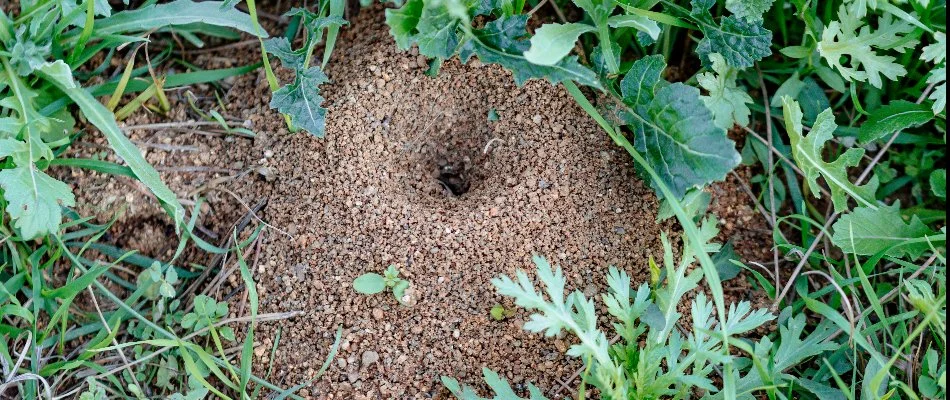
412, 173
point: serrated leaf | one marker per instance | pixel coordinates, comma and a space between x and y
750, 10
500, 43
726, 100
301, 100
552, 42
179, 12
403, 21
34, 200
936, 53
894, 117
807, 151
849, 38
866, 232
740, 42
674, 131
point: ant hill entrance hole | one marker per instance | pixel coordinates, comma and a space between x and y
453, 176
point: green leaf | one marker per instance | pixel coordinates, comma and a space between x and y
673, 130
638, 22
499, 42
740, 42
936, 53
552, 42
280, 47
849, 39
438, 30
371, 283
807, 151
726, 100
59, 74
179, 12
750, 10
34, 200
403, 21
938, 183
894, 117
866, 232
301, 100
500, 386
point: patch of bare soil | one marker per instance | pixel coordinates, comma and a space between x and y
411, 173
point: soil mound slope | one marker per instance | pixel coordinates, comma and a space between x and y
378, 190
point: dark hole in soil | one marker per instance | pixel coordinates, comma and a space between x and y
452, 175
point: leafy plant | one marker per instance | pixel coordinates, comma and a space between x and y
300, 99
652, 358
372, 283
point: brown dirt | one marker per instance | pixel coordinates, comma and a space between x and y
368, 195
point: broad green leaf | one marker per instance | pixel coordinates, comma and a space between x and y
673, 130
894, 117
849, 39
370, 283
726, 100
552, 42
59, 74
179, 12
807, 151
34, 200
643, 79
500, 42
638, 22
866, 232
749, 10
936, 53
740, 42
403, 21
301, 100
438, 30
938, 183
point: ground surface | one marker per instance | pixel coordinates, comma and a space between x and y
542, 179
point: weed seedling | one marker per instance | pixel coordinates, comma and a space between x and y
499, 312
373, 283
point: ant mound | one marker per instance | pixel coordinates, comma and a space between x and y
455, 180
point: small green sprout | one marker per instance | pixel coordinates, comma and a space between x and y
499, 312
373, 283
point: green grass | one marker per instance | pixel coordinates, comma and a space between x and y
81, 318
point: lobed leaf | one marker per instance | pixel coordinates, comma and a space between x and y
301, 100
807, 152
